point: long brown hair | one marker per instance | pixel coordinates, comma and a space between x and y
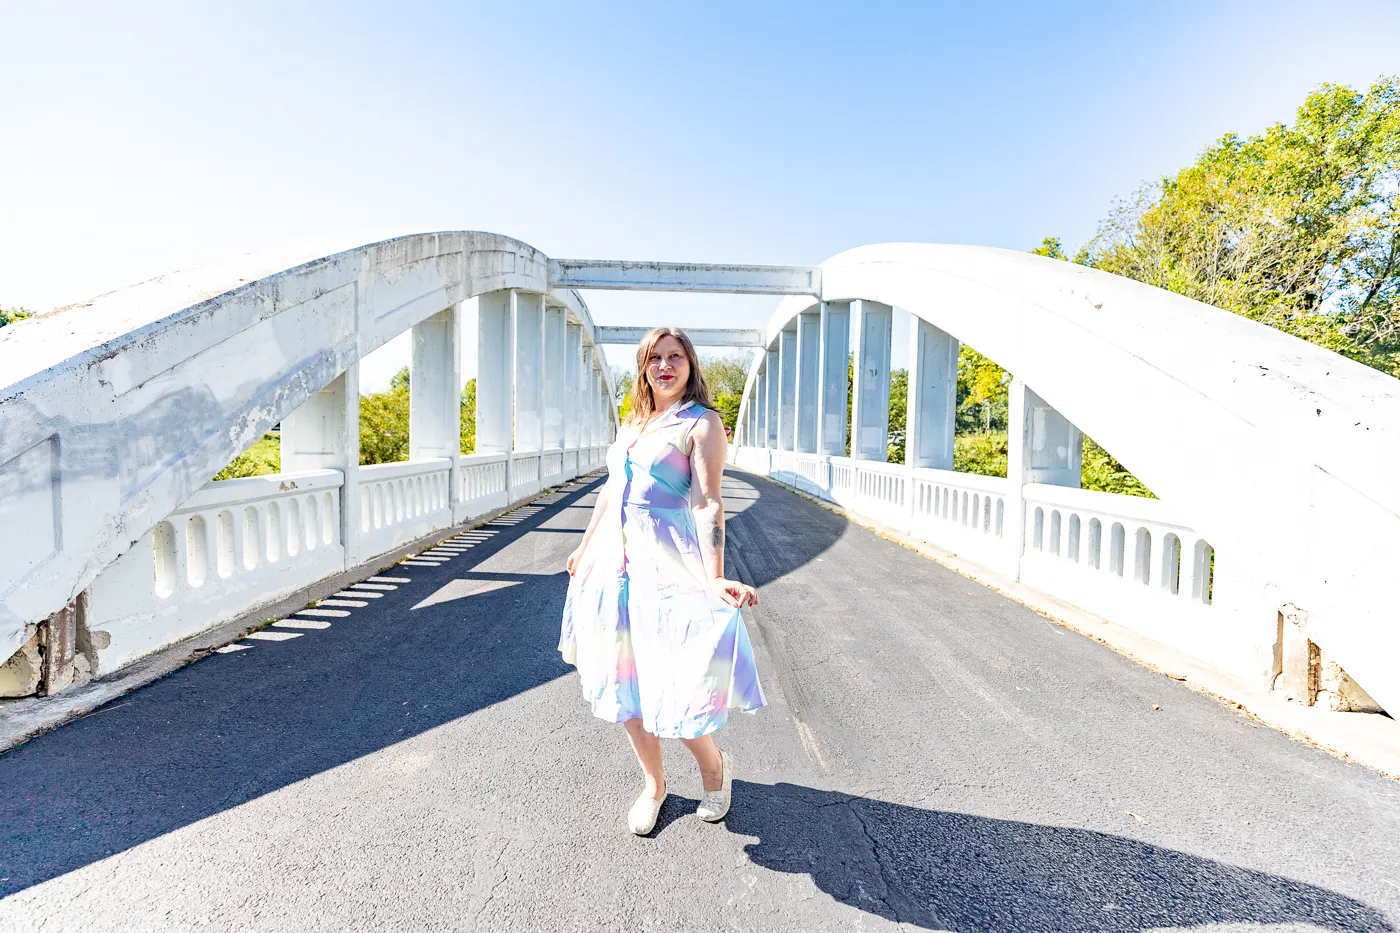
643, 403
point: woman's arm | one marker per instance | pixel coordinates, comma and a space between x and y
599, 510
707, 452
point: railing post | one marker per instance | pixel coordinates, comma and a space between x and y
870, 416
323, 433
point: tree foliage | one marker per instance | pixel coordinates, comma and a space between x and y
261, 459
725, 376
622, 391
468, 417
384, 422
10, 315
1297, 227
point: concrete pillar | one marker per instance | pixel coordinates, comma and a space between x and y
1042, 447
933, 396
529, 354
588, 401
555, 370
760, 405
787, 389
1047, 447
831, 398
495, 373
870, 414
575, 391
774, 364
434, 396
809, 325
751, 416
324, 434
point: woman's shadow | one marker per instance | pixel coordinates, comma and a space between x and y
953, 871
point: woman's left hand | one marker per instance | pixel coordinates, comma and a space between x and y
735, 594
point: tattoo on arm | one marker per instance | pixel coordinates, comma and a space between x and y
717, 537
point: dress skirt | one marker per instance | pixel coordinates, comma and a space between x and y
649, 639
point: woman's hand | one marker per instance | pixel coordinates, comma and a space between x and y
734, 593
571, 564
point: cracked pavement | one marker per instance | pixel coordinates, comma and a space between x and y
935, 757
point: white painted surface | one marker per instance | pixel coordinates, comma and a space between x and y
232, 546
116, 411
619, 275
1276, 451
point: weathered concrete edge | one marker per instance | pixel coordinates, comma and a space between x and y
1368, 739
24, 719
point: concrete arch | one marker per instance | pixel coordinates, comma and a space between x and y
1310, 510
116, 410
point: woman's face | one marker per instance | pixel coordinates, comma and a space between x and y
668, 369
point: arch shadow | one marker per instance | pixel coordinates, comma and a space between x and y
771, 531
971, 874
233, 727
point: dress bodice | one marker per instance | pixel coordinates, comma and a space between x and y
650, 468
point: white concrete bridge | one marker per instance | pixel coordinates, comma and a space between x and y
1269, 557
1278, 523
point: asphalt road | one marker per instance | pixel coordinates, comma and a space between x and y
935, 756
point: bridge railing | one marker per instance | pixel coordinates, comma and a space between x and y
1126, 558
402, 502
115, 545
1307, 515
235, 544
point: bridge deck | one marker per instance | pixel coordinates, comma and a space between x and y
934, 754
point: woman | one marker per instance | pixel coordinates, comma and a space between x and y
651, 622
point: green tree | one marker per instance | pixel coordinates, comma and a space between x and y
384, 422
982, 394
725, 376
1297, 227
468, 417
262, 459
10, 315
899, 415
1050, 247
622, 391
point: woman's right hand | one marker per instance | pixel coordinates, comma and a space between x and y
571, 564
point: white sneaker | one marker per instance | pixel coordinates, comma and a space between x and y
641, 819
715, 803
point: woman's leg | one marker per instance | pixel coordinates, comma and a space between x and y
647, 748
707, 757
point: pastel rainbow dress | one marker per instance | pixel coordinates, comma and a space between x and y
649, 640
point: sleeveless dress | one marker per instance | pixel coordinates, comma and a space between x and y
649, 640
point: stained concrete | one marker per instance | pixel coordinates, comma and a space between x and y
934, 756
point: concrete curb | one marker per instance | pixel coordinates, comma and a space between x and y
1369, 739
23, 719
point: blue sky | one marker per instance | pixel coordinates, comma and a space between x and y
144, 137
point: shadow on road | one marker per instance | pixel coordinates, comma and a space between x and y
772, 532
234, 727
972, 874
